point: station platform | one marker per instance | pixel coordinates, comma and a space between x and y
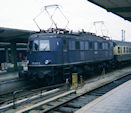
2, 72
5, 76
117, 100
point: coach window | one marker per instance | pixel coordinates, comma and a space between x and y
130, 49
64, 45
119, 50
77, 45
124, 50
86, 46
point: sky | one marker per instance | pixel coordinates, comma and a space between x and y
81, 14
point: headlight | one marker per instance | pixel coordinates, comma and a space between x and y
47, 61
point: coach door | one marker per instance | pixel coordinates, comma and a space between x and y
65, 51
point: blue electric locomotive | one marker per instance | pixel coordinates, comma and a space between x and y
53, 56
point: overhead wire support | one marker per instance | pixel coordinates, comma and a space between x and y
51, 16
102, 25
36, 22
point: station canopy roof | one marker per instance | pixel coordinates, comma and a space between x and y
14, 35
119, 7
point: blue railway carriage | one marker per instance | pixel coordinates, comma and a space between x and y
52, 53
122, 51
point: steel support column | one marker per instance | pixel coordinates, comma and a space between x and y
13, 55
6, 55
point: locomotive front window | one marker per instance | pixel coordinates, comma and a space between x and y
44, 45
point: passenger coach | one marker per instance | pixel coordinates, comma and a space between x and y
122, 51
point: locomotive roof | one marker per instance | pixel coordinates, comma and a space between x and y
122, 43
81, 35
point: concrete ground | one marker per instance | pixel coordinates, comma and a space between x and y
117, 100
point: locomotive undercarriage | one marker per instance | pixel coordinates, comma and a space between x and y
57, 74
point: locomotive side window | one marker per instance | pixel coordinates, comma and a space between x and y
105, 45
100, 45
64, 45
77, 45
72, 45
90, 45
82, 45
109, 45
86, 46
44, 45
95, 45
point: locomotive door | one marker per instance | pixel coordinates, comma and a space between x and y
65, 52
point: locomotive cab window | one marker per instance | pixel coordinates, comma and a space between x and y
44, 45
36, 46
30, 45
33, 45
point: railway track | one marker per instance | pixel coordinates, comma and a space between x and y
21, 97
71, 101
29, 98
10, 86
